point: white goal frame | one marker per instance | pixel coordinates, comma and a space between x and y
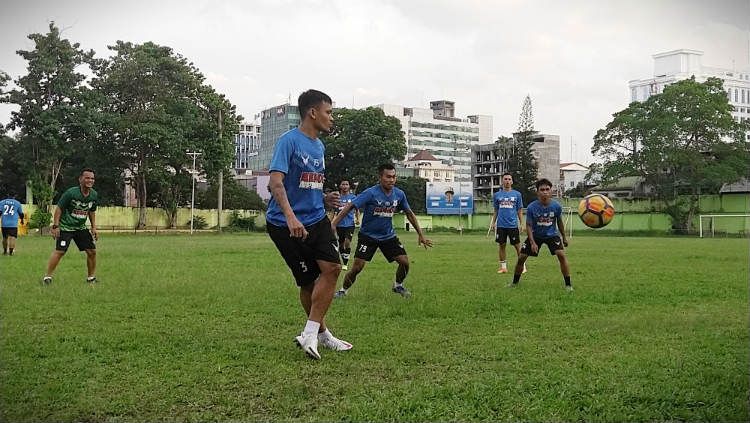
712, 217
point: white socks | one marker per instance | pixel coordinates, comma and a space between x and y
311, 328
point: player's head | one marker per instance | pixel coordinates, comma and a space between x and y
344, 186
316, 107
86, 178
449, 195
507, 180
387, 174
543, 190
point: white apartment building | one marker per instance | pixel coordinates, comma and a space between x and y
246, 144
448, 138
676, 65
571, 175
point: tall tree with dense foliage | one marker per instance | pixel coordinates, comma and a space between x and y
54, 117
682, 141
415, 189
360, 140
519, 153
160, 107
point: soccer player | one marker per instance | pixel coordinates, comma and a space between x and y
345, 228
69, 224
507, 218
543, 220
11, 211
378, 204
297, 222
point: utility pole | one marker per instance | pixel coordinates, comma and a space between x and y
192, 198
221, 182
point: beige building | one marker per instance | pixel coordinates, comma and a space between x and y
429, 167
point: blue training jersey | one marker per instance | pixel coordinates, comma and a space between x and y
348, 221
301, 160
10, 210
507, 204
543, 219
377, 210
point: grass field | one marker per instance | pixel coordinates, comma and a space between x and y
200, 328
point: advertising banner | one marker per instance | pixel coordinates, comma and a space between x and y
450, 198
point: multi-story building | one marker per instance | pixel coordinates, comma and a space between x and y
246, 144
490, 161
677, 65
273, 123
448, 138
429, 167
572, 174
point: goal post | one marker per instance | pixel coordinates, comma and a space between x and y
568, 213
711, 218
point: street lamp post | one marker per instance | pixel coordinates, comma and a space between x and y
195, 154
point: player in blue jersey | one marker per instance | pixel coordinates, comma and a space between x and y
345, 228
296, 218
544, 224
507, 220
10, 212
378, 204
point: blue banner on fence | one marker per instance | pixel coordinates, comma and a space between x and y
450, 198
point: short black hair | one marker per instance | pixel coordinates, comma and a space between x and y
309, 99
385, 166
543, 181
87, 169
507, 173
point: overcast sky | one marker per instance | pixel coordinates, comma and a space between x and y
574, 58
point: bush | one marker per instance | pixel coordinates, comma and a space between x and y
40, 219
199, 222
239, 223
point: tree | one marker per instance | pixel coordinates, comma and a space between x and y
53, 119
236, 196
521, 162
360, 141
682, 141
159, 108
415, 189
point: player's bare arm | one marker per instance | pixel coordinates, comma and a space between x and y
92, 219
332, 200
341, 215
421, 240
561, 228
276, 183
55, 230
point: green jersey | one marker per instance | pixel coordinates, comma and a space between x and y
75, 208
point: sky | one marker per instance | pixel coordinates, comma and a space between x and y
573, 58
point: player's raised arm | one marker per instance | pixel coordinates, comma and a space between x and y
341, 215
276, 184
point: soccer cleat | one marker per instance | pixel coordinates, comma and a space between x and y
91, 279
46, 280
399, 289
569, 288
344, 267
339, 294
334, 343
502, 270
309, 344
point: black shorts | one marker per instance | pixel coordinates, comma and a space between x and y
301, 256
504, 234
82, 238
10, 232
553, 243
345, 232
366, 247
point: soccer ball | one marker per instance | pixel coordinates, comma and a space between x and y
596, 210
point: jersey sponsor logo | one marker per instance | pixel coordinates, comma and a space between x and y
305, 159
545, 219
387, 211
81, 209
507, 203
311, 180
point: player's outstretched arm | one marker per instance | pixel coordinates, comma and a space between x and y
341, 215
413, 220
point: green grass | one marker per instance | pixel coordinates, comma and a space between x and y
200, 328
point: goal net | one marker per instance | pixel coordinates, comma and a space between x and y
710, 224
